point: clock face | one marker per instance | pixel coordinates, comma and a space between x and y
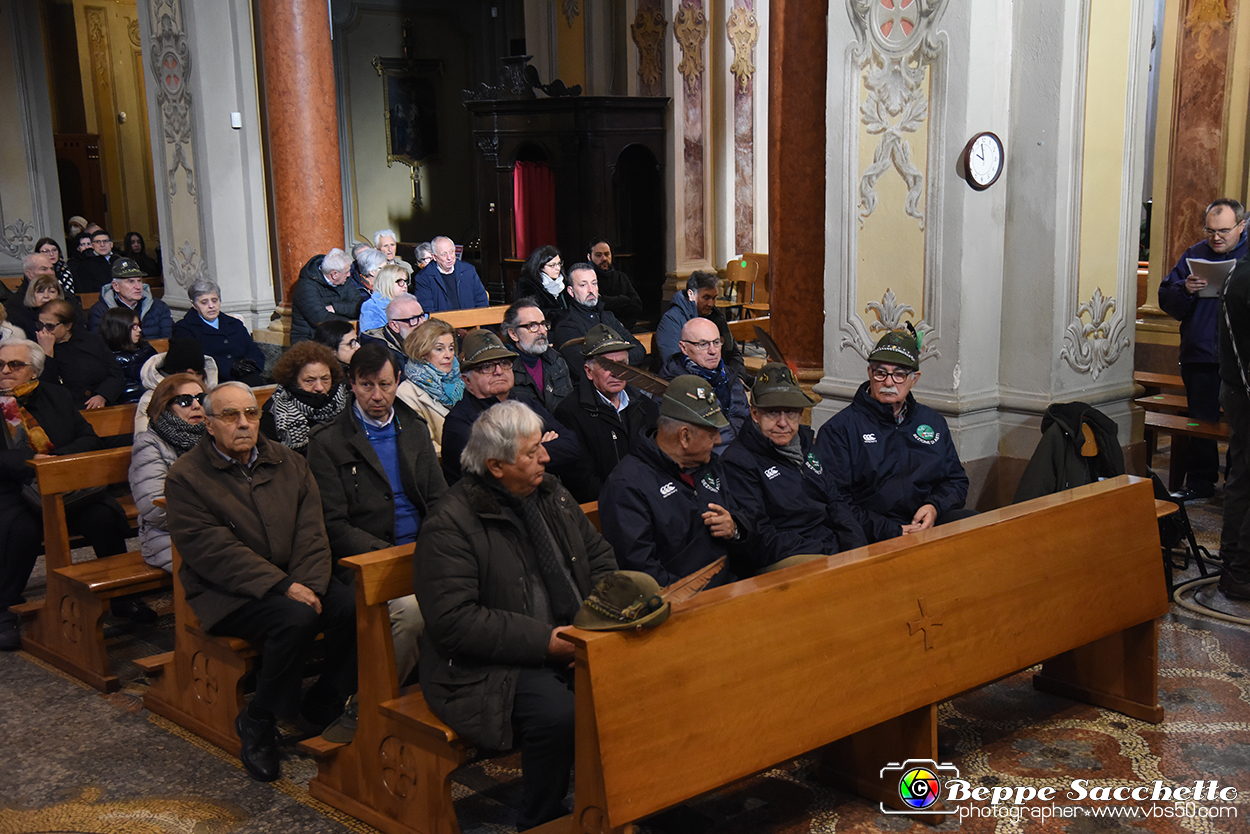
984, 160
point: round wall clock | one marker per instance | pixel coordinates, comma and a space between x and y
983, 160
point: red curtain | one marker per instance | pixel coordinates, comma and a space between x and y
533, 207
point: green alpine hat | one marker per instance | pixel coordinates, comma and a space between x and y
602, 339
623, 600
126, 268
691, 399
897, 347
481, 346
776, 387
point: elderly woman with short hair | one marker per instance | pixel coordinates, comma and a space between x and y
77, 358
226, 339
311, 391
387, 241
368, 262
391, 281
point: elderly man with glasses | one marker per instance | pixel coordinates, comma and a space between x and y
1194, 300
891, 457
245, 515
539, 369
403, 314
700, 352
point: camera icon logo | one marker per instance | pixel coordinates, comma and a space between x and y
919, 785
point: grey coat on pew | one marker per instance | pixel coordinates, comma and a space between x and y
473, 584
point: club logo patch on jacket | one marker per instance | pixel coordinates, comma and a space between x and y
870, 437
926, 435
813, 463
710, 483
668, 489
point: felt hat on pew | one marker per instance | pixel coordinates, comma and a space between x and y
898, 347
126, 268
776, 387
481, 346
623, 600
690, 398
602, 339
183, 354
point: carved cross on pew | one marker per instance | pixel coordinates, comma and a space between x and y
924, 625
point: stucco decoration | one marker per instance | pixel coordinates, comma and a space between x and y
18, 240
895, 45
889, 312
1092, 347
187, 266
571, 11
743, 31
171, 64
690, 28
647, 31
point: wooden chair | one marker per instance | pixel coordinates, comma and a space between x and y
758, 304
738, 284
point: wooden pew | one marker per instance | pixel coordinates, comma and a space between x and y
473, 317
1154, 383
849, 656
1181, 428
67, 627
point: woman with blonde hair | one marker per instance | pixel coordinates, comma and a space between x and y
392, 280
432, 382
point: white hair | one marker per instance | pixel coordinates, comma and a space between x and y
335, 259
370, 259
37, 356
203, 286
381, 233
212, 393
497, 435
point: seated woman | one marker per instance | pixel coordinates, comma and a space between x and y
226, 339
23, 306
40, 420
134, 248
122, 331
310, 391
542, 278
392, 280
60, 267
432, 382
175, 424
184, 356
339, 336
77, 358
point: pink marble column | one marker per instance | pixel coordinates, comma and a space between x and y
690, 27
742, 29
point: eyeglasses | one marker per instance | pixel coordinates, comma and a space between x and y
534, 326
403, 281
185, 400
413, 321
50, 250
705, 344
493, 367
14, 365
556, 264
1222, 232
231, 415
881, 375
354, 343
43, 325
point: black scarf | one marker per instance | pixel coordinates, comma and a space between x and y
177, 432
563, 594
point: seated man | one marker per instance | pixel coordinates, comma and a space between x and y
700, 354
663, 508
403, 314
540, 371
891, 457
486, 366
502, 565
585, 311
772, 470
321, 293
605, 413
245, 515
379, 476
447, 283
94, 271
697, 301
618, 292
128, 290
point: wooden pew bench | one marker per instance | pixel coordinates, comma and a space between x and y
847, 658
66, 628
1155, 383
1180, 428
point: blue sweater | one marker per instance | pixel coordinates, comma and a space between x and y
385, 443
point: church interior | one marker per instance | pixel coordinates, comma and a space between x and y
839, 142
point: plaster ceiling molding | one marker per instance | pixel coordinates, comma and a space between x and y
18, 240
187, 267
690, 28
743, 31
647, 31
1091, 348
170, 59
571, 11
889, 312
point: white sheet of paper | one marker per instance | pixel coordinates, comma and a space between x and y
1214, 271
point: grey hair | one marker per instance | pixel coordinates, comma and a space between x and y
335, 259
29, 260
435, 241
358, 245
37, 356
393, 307
381, 233
203, 286
497, 435
370, 259
424, 250
212, 394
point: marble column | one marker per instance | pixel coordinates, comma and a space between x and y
796, 178
302, 131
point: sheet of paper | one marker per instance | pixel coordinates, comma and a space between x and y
1213, 271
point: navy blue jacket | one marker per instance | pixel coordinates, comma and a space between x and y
606, 436
577, 322
889, 471
1199, 317
459, 291
794, 507
737, 408
227, 343
668, 331
566, 453
154, 314
654, 520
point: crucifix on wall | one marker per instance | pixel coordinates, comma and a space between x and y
410, 102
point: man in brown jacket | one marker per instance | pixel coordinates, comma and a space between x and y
245, 515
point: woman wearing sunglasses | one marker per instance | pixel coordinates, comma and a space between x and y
175, 425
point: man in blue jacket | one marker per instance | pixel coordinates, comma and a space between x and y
697, 301
128, 290
665, 509
890, 456
1182, 296
448, 284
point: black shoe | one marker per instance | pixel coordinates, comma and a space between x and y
135, 610
10, 636
1233, 588
260, 746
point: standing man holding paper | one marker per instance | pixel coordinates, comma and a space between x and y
1191, 294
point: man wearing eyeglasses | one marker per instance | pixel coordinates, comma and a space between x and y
448, 283
245, 516
1188, 298
700, 354
539, 370
403, 314
891, 457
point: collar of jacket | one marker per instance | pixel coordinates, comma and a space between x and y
266, 453
881, 412
651, 454
484, 502
592, 403
754, 440
110, 298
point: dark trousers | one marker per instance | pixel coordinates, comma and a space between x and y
1202, 390
1235, 536
954, 515
542, 715
284, 631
